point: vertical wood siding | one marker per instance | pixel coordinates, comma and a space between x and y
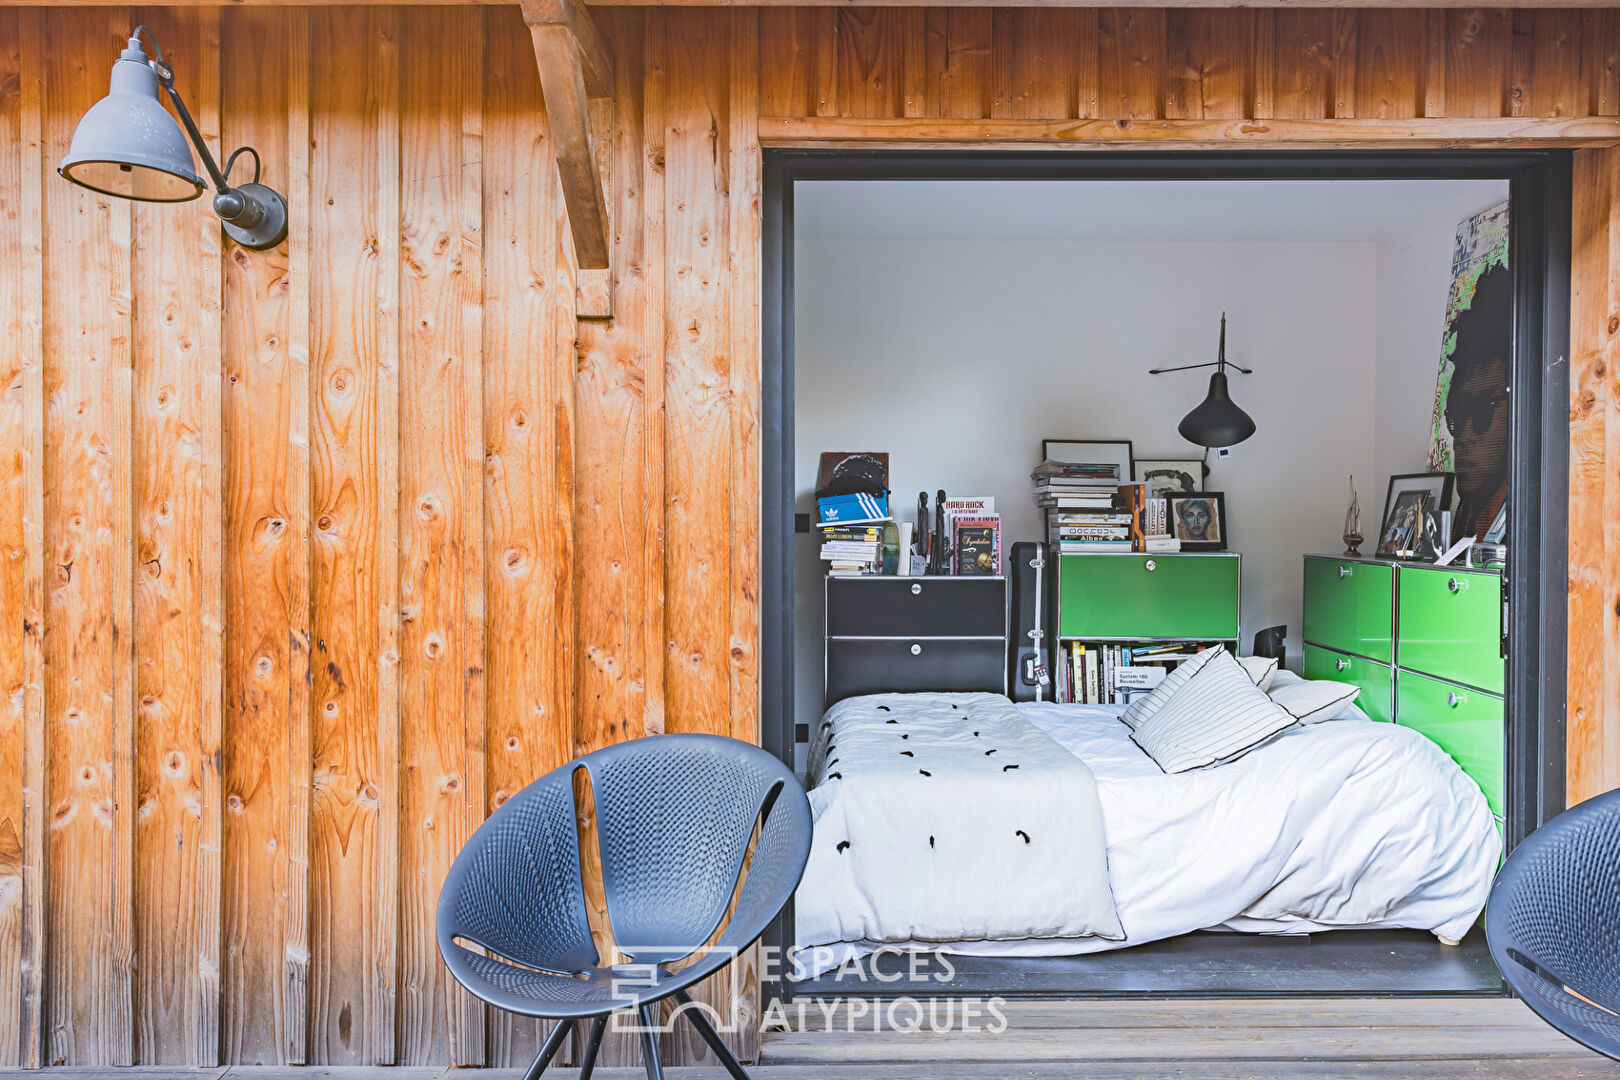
310, 558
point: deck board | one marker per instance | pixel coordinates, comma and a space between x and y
1248, 1039
1589, 1067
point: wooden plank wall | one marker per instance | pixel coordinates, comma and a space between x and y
311, 557
1593, 715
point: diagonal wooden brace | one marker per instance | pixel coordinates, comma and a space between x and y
576, 80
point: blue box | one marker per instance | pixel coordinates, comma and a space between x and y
846, 508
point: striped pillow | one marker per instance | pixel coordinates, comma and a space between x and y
1144, 707
1217, 716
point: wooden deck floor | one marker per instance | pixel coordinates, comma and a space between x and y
1315, 1039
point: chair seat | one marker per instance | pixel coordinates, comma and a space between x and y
592, 992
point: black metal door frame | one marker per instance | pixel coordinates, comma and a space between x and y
1539, 255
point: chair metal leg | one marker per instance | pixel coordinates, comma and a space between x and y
549, 1050
711, 1036
649, 1042
597, 1027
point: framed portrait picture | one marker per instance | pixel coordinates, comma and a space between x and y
1408, 498
1167, 476
1116, 452
1198, 520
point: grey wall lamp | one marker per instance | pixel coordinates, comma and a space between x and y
1216, 421
127, 145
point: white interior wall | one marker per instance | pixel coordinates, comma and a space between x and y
1414, 276
958, 352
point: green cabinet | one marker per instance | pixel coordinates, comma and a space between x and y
1350, 606
1451, 625
1375, 679
1424, 643
1139, 597
1465, 723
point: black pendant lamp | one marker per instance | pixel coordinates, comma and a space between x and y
1216, 421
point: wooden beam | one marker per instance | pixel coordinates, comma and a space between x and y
1067, 134
596, 58
572, 58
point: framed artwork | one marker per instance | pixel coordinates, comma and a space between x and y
1469, 422
843, 472
1408, 498
1168, 476
1198, 520
1091, 452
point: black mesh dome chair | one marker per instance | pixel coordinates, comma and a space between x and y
1553, 922
674, 815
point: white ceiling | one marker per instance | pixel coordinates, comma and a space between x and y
1215, 210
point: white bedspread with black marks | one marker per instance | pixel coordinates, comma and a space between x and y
949, 817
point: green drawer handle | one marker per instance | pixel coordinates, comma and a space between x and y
1341, 664
1150, 566
1344, 572
1455, 699
1456, 585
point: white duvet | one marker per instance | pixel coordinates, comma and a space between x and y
949, 817
1345, 823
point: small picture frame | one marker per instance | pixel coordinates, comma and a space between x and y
1091, 452
976, 546
1496, 533
1410, 495
1169, 476
1198, 520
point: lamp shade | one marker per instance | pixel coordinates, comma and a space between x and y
128, 145
1216, 421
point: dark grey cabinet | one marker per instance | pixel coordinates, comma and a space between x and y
906, 635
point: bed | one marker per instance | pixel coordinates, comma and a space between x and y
1347, 823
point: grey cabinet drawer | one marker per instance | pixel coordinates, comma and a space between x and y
920, 607
875, 666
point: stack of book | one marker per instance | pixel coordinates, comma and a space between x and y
1108, 673
850, 550
1089, 508
1156, 527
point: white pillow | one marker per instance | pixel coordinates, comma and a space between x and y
1218, 715
1262, 669
1311, 701
1143, 707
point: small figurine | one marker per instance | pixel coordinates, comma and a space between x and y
1352, 523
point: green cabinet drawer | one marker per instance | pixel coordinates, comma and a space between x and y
1148, 596
1449, 625
1467, 724
1350, 606
1375, 698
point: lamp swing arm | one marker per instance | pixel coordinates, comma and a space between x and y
1208, 363
166, 78
229, 203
